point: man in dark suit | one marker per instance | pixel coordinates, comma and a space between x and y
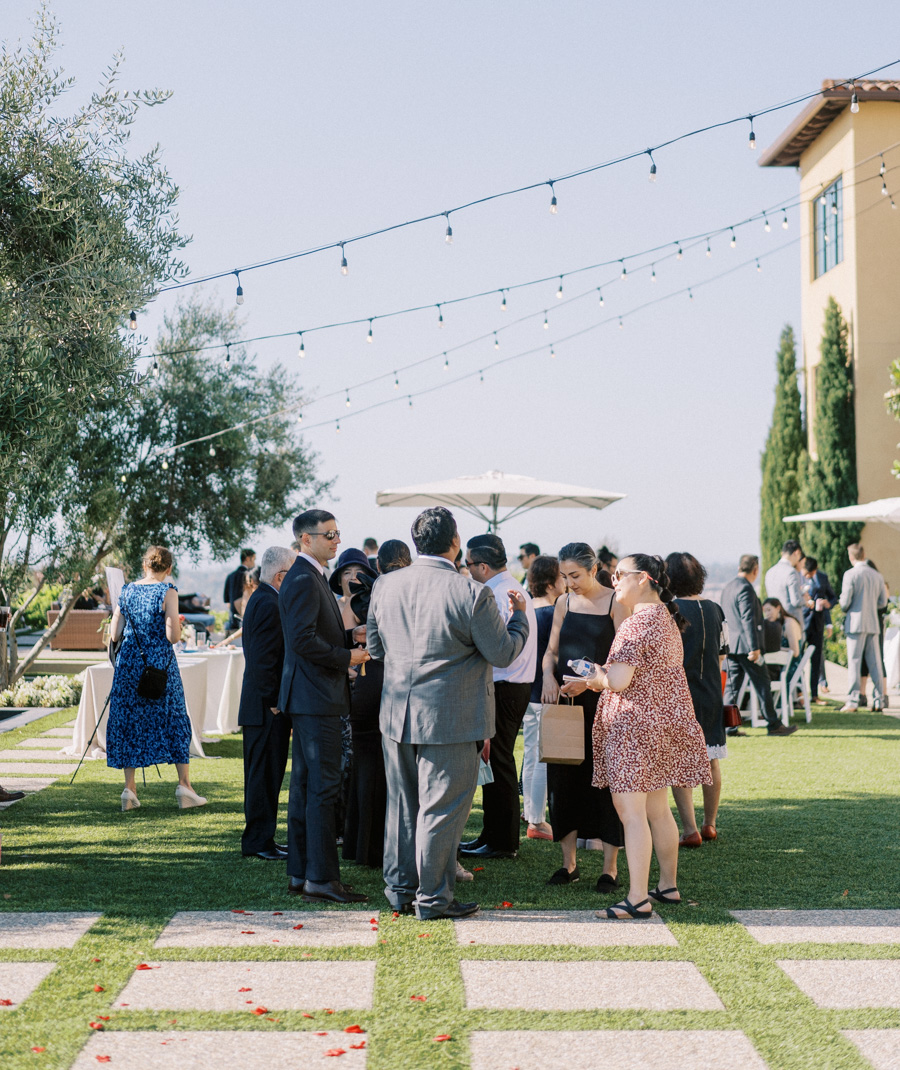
743, 615
315, 693
266, 730
234, 588
816, 619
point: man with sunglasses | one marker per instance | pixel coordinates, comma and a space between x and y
315, 693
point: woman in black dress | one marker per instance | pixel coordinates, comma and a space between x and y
367, 797
584, 626
705, 646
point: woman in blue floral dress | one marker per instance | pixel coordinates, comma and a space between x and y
142, 731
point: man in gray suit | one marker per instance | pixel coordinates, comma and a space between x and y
439, 634
862, 595
743, 615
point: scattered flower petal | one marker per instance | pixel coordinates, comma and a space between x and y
103, 1058
298, 926
248, 1000
321, 1034
260, 1011
239, 912
277, 913
6, 1003
478, 869
248, 932
309, 1016
421, 935
419, 999
396, 914
95, 960
335, 1051
443, 1036
359, 1046
505, 904
99, 988
39, 1050
144, 966
245, 990
354, 1029
124, 1004
103, 1017
96, 1025
328, 1010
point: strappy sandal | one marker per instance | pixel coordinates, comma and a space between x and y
661, 895
632, 911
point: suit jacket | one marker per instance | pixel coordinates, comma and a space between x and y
439, 634
862, 595
316, 646
819, 587
743, 614
783, 582
263, 642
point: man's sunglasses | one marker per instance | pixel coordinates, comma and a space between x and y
329, 535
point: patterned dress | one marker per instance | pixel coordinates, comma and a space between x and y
647, 737
144, 731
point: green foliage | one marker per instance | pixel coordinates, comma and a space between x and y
830, 479
36, 614
892, 403
836, 645
87, 233
783, 457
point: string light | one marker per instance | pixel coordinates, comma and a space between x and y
345, 270
503, 305
227, 353
854, 101
440, 316
301, 352
679, 255
784, 221
652, 175
767, 228
559, 292
690, 294
369, 335
446, 363
624, 274
347, 402
834, 206
733, 238
448, 233
553, 208
409, 398
600, 292
758, 265
752, 141
882, 168
165, 466
299, 417
496, 341
124, 478
621, 324
884, 189
396, 381
132, 321
212, 451
239, 292
155, 371
337, 427
653, 273
552, 353
481, 373
708, 249
546, 322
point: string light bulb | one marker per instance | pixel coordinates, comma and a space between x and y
784, 221
396, 381
212, 451
503, 306
690, 294
834, 206
481, 373
227, 353
552, 353
854, 101
132, 321
708, 249
758, 265
239, 292
546, 322
299, 417
621, 324
553, 206
369, 335
767, 227
446, 363
345, 270
679, 255
409, 399
752, 141
440, 316
652, 176
496, 341
624, 274
155, 370
880, 171
884, 189
448, 233
347, 402
733, 237
124, 478
653, 273
337, 427
600, 294
165, 465
301, 352
559, 292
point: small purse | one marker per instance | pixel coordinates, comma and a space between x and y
152, 683
731, 715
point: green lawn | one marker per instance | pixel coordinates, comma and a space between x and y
810, 821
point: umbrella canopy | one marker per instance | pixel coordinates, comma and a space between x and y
885, 510
484, 495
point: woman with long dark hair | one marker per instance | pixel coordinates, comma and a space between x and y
646, 737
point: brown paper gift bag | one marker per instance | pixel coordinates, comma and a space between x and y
561, 740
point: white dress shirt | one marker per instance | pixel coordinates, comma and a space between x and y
522, 669
312, 561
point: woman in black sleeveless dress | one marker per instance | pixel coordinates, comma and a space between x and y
578, 810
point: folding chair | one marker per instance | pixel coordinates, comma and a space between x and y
799, 682
781, 658
756, 718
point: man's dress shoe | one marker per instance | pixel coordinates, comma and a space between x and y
485, 851
295, 885
331, 892
455, 910
267, 855
280, 847
469, 844
10, 796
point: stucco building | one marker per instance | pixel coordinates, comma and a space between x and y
846, 146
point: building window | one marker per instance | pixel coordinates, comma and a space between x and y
828, 227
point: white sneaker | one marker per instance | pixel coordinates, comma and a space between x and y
130, 801
593, 845
849, 708
462, 874
186, 798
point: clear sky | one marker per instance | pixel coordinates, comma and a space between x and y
297, 124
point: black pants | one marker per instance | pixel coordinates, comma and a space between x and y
501, 799
312, 806
815, 636
265, 760
738, 666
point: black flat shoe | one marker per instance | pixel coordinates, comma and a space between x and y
485, 851
331, 892
267, 856
563, 876
606, 882
455, 910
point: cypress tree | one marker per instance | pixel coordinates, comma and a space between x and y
783, 457
830, 480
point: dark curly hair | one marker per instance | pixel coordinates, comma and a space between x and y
655, 568
686, 575
544, 572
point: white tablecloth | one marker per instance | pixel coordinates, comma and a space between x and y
892, 651
212, 691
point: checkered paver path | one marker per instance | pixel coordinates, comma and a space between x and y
846, 984
60, 733
578, 928
249, 928
41, 743
821, 926
35, 768
28, 784
44, 930
23, 753
19, 979
880, 1046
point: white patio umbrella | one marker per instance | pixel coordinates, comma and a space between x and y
484, 495
883, 510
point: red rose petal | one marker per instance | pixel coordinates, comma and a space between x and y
505, 904
245, 990
419, 999
478, 869
95, 960
103, 1017
238, 912
373, 921
248, 932
6, 1003
260, 1010
144, 966
124, 1004
99, 988
443, 1036
396, 914
103, 1058
359, 1046
96, 1025
335, 1051
173, 1021
38, 1050
277, 913
420, 935
248, 1000
309, 1016
298, 926
328, 1010
321, 1034
354, 1029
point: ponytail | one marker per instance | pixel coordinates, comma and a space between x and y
655, 568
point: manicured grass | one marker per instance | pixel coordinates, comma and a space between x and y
809, 821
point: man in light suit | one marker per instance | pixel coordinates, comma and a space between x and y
862, 595
266, 731
315, 692
784, 582
743, 614
439, 634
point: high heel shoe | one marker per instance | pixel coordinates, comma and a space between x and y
187, 797
130, 801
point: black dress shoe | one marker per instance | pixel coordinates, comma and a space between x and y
469, 844
10, 796
331, 892
280, 847
295, 885
485, 851
455, 910
782, 730
268, 856
407, 910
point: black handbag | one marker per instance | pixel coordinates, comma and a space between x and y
152, 683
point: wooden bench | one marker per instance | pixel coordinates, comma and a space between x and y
81, 630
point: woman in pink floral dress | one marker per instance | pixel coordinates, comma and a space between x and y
646, 737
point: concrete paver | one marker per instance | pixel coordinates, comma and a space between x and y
224, 928
821, 926
559, 927
847, 984
880, 1046
19, 979
46, 929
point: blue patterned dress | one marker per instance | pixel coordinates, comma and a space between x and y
144, 731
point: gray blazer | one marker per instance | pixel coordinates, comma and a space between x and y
862, 595
439, 635
743, 614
